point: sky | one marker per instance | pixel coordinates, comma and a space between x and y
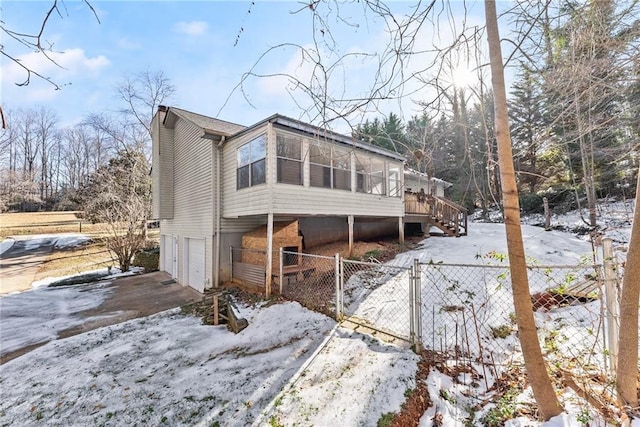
205, 48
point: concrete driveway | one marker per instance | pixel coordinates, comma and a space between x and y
19, 264
126, 298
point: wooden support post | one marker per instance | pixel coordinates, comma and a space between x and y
269, 266
281, 267
350, 221
401, 230
216, 310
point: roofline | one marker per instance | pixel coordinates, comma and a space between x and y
206, 132
316, 131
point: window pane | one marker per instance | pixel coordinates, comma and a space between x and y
320, 176
341, 159
244, 154
289, 171
361, 182
320, 154
377, 184
377, 166
242, 177
258, 172
363, 163
288, 147
342, 179
258, 148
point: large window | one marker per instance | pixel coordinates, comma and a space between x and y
370, 176
289, 152
251, 163
330, 167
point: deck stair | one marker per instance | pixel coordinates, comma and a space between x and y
439, 212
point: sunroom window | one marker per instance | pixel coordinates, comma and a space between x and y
251, 163
290, 164
370, 176
330, 167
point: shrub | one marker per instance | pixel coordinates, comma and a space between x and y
149, 260
531, 203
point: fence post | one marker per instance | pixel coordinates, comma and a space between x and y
611, 302
230, 263
280, 277
418, 304
412, 306
338, 294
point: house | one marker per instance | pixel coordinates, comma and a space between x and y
214, 182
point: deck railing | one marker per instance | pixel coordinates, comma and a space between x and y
440, 211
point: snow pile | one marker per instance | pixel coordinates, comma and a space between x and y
6, 244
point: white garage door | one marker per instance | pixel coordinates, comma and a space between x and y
194, 262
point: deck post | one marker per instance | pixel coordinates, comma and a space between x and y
611, 302
350, 221
401, 230
281, 265
269, 266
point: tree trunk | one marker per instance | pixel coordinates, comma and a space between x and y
527, 333
627, 372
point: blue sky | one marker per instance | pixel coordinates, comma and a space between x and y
194, 44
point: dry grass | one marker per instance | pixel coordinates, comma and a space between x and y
69, 261
76, 260
14, 224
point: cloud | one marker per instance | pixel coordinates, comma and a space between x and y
193, 28
69, 62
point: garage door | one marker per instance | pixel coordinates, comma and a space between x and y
195, 263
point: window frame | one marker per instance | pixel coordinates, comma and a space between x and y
256, 157
285, 159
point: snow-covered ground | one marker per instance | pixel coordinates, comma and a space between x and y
34, 241
289, 367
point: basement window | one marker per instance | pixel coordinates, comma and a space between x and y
251, 163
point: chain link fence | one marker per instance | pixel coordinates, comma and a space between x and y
308, 279
468, 313
378, 296
461, 312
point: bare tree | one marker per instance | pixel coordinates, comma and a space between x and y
141, 95
34, 41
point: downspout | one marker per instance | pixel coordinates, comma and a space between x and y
216, 271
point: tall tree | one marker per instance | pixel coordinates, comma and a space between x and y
527, 331
627, 371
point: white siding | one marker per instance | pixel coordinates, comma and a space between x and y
193, 195
162, 168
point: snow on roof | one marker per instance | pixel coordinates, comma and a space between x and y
413, 172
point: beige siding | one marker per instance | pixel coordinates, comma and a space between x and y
162, 171
193, 195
